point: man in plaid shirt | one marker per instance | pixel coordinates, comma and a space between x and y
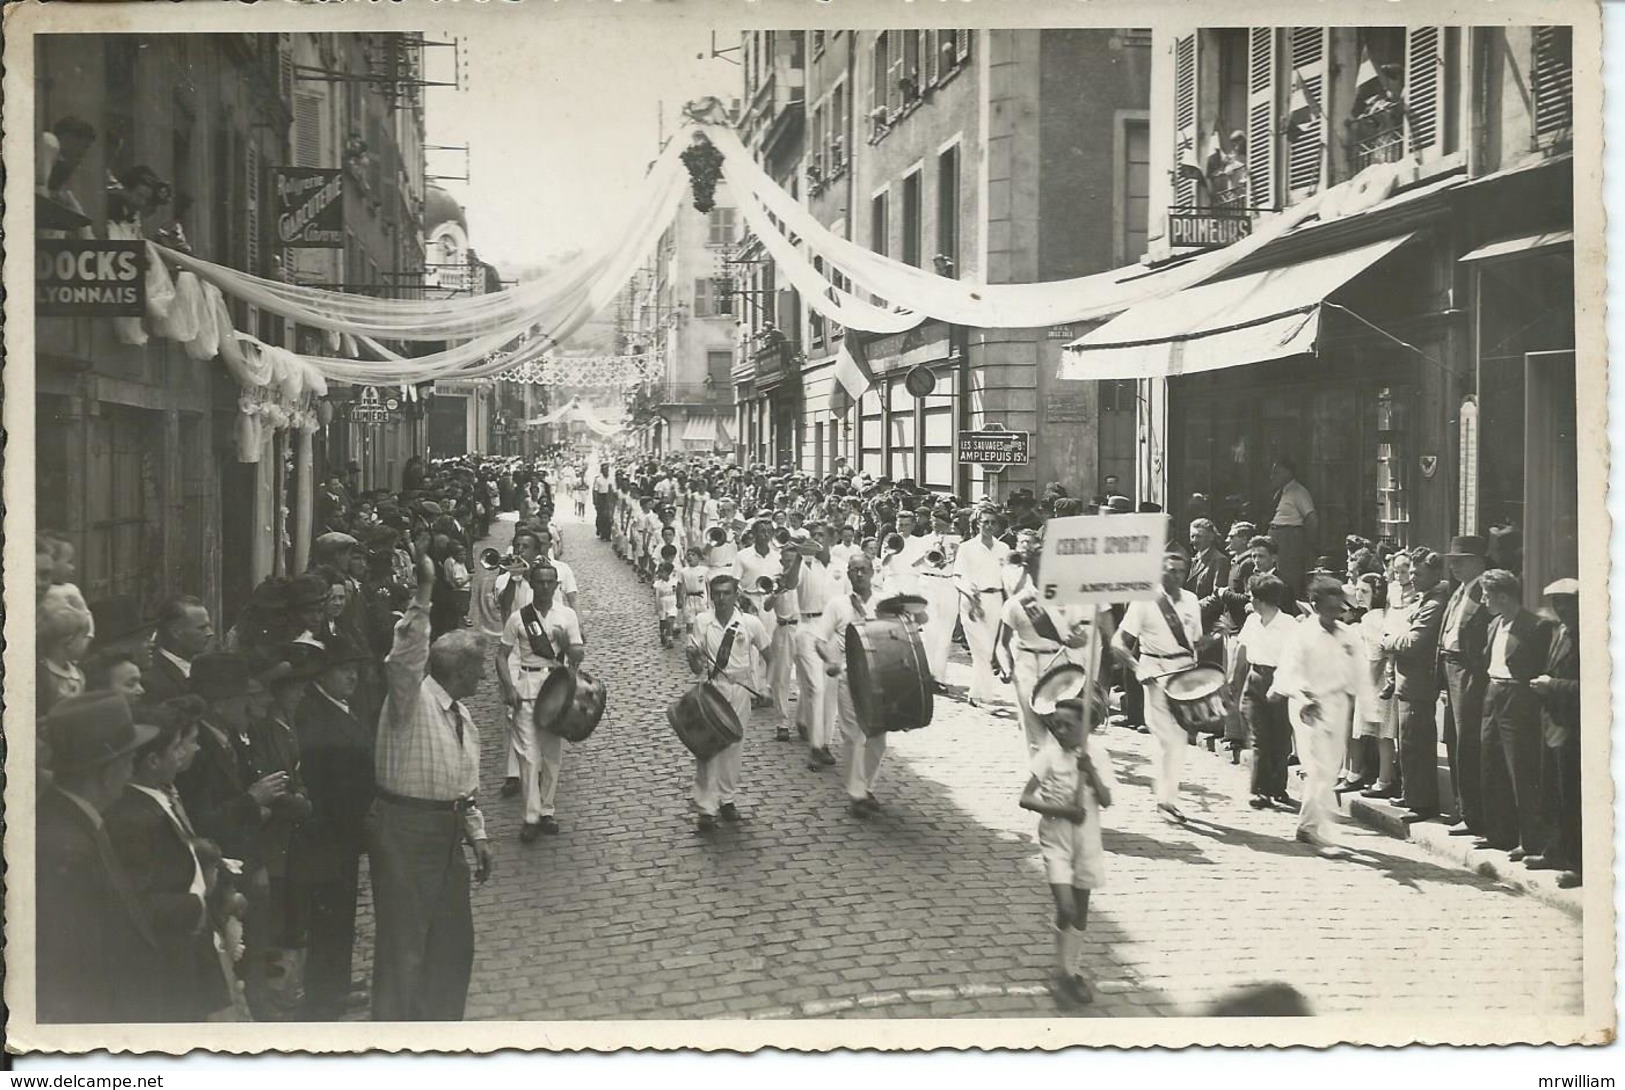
428, 767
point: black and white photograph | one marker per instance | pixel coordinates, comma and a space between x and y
747, 525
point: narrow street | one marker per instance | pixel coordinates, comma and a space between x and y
938, 908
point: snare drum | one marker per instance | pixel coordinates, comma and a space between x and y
704, 721
569, 704
1195, 697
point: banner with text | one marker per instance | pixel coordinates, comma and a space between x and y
1098, 559
309, 207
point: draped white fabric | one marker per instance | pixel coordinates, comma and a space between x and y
574, 411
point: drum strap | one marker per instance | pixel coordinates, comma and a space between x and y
1041, 621
1174, 624
724, 649
536, 634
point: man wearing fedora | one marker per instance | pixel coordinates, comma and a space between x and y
153, 838
97, 959
1463, 645
336, 752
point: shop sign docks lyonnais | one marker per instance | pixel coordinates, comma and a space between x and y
89, 278
994, 447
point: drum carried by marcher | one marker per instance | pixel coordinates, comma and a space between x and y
569, 704
704, 721
887, 672
911, 606
1196, 699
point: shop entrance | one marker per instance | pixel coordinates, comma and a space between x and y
1551, 485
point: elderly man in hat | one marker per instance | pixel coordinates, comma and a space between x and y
1463, 661
96, 956
336, 752
1558, 689
428, 768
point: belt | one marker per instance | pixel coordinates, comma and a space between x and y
789, 620
450, 806
1038, 650
991, 590
1452, 656
535, 669
812, 616
935, 574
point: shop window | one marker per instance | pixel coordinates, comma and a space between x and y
947, 256
119, 570
913, 215
1553, 84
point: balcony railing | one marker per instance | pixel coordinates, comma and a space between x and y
776, 360
693, 393
1377, 136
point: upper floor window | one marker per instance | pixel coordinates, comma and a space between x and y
1553, 84
720, 227
817, 43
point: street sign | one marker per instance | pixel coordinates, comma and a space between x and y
1102, 558
89, 278
994, 447
920, 381
370, 409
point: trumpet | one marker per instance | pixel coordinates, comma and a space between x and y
717, 536
490, 560
782, 538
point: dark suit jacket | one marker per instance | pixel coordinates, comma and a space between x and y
1416, 653
338, 770
215, 791
1561, 707
97, 959
1210, 572
163, 679
1529, 644
1475, 624
155, 852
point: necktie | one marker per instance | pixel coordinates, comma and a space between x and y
457, 710
180, 811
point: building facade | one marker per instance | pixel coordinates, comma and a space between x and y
946, 150
138, 461
1435, 395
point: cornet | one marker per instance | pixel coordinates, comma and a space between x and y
490, 560
717, 536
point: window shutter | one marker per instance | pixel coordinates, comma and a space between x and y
307, 130
877, 90
1306, 151
702, 298
894, 72
251, 207
961, 46
1263, 143
1184, 117
1424, 65
1553, 81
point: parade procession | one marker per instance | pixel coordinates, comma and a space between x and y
969, 523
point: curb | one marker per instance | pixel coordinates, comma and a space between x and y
1487, 863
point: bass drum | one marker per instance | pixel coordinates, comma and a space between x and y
704, 721
888, 675
1195, 697
569, 705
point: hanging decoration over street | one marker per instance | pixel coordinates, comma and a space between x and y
609, 371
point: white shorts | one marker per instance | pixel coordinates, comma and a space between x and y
1073, 854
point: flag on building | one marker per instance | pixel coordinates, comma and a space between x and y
1189, 166
1303, 112
852, 371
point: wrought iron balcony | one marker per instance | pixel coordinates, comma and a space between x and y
693, 393
776, 358
1377, 136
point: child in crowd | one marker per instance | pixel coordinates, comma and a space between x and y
458, 578
691, 587
1071, 782
64, 637
666, 603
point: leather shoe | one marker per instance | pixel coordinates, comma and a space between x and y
549, 826
1170, 813
529, 832
1541, 862
1418, 815
1516, 855
1460, 828
706, 823
1379, 792
825, 757
1568, 880
1288, 802
730, 812
510, 787
857, 808
782, 734
1259, 802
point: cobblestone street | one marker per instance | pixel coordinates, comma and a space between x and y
938, 907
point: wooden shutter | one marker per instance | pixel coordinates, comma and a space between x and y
877, 59
1263, 141
1184, 115
1424, 87
1553, 80
307, 130
895, 48
1306, 152
251, 206
961, 46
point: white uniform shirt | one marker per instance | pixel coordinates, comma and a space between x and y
816, 586
1295, 506
838, 617
1160, 652
978, 567
528, 669
1320, 665
749, 636
1265, 644
750, 565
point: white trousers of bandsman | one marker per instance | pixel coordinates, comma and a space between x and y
942, 610
781, 665
536, 756
863, 753
817, 704
980, 635
716, 779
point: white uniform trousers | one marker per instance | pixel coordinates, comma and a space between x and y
513, 751
781, 670
1322, 747
942, 609
816, 708
980, 635
717, 778
539, 756
1171, 741
863, 753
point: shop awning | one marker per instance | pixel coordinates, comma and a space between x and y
1508, 247
1248, 319
700, 429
